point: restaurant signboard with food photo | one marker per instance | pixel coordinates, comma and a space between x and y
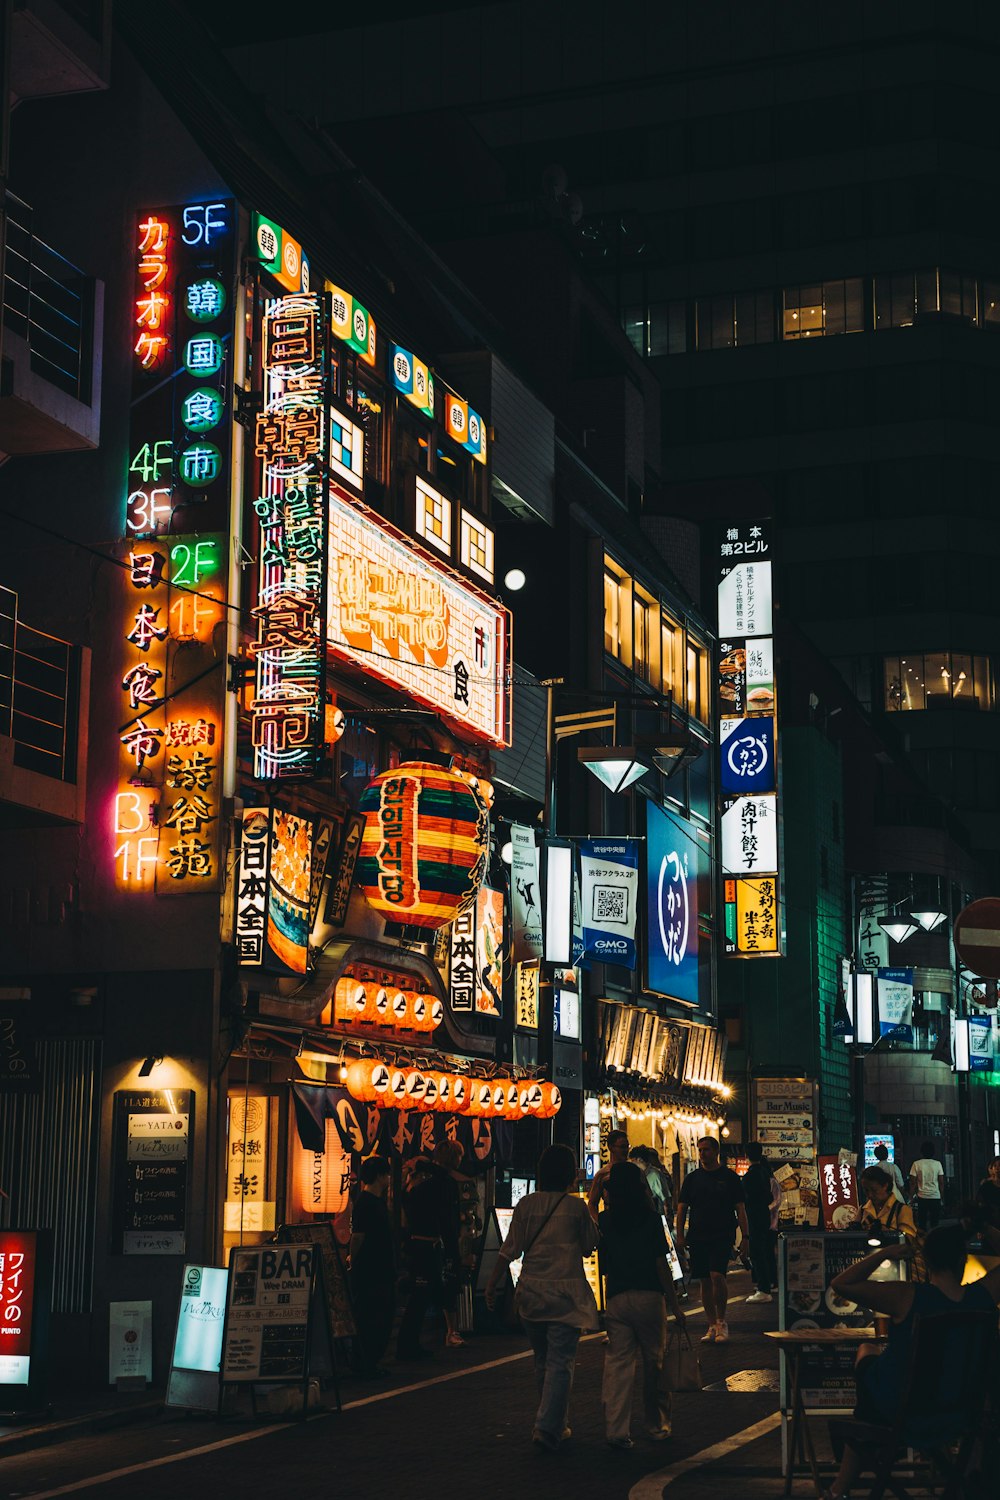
748, 744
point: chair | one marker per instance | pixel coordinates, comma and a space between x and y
951, 1378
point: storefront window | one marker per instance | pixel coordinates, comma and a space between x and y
643, 642
617, 588
697, 681
671, 655
938, 679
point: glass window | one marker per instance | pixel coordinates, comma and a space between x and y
991, 303
671, 658
938, 679
617, 591
644, 644
634, 324
715, 322
668, 328
823, 308
433, 518
477, 546
697, 681
369, 405
902, 298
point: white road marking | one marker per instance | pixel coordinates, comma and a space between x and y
248, 1437
651, 1487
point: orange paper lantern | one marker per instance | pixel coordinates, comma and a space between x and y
350, 1000
551, 1101
531, 1098
430, 1099
513, 1110
416, 1087
459, 1095
395, 1098
443, 1081
361, 1079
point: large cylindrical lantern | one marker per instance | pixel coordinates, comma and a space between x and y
551, 1101
366, 1080
416, 1088
459, 1095
531, 1098
350, 1000
323, 1178
425, 844
513, 1110
480, 1098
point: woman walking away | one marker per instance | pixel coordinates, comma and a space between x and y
553, 1232
882, 1377
634, 1264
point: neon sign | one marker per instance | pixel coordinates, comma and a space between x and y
287, 711
181, 330
167, 805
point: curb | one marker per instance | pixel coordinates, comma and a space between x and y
48, 1434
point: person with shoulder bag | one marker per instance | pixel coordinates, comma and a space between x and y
637, 1276
552, 1231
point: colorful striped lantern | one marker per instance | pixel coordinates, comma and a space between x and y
425, 845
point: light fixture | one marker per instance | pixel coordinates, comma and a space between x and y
514, 579
928, 920
864, 1009
616, 767
148, 1064
507, 853
961, 1064
897, 928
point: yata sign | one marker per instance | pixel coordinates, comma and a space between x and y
673, 860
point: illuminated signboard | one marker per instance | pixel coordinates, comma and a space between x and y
17, 1297
417, 627
412, 379
167, 804
251, 885
200, 1318
749, 783
465, 426
287, 711
673, 867
352, 323
280, 255
182, 323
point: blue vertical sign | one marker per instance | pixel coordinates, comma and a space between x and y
673, 865
895, 1004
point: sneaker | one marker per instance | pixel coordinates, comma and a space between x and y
708, 1337
456, 1341
660, 1434
545, 1442
567, 1433
760, 1297
721, 1332
625, 1442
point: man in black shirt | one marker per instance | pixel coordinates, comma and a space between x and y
713, 1197
373, 1270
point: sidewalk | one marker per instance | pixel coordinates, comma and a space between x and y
72, 1416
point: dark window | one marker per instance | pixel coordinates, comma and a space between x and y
667, 328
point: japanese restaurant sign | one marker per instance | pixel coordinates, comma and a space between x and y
673, 868
18, 1254
838, 1193
153, 1131
749, 785
411, 623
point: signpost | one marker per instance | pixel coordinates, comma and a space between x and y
977, 937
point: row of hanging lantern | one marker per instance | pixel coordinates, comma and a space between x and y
390, 1087
363, 1000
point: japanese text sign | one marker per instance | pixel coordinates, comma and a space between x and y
609, 870
673, 867
17, 1291
838, 1193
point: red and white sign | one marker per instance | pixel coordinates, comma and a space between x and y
838, 1193
977, 937
18, 1252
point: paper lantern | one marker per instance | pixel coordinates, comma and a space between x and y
399, 1008
350, 1000
430, 1098
551, 1101
378, 1003
395, 1098
531, 1098
323, 1178
459, 1095
418, 1011
437, 1013
416, 1087
513, 1110
499, 1098
480, 1099
425, 845
361, 1079
443, 1081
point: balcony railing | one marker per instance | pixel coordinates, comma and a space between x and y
49, 303
39, 694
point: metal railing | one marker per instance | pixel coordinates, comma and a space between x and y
49, 303
39, 694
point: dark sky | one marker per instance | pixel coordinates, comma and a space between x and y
230, 20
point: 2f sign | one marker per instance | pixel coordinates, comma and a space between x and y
202, 221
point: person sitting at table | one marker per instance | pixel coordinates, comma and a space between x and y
882, 1210
881, 1374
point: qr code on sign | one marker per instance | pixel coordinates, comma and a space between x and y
610, 903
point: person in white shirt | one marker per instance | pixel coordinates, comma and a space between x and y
926, 1181
881, 1154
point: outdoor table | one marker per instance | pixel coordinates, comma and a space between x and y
793, 1341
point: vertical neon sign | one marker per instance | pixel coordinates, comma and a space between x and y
292, 511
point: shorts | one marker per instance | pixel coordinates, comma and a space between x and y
707, 1256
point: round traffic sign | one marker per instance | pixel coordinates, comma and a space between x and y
977, 937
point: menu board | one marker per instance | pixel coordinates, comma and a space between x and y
337, 1295
785, 1125
153, 1132
267, 1313
807, 1264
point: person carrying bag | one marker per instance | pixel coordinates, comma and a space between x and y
552, 1231
681, 1365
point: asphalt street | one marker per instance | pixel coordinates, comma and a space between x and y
458, 1425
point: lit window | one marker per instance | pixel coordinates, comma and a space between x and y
937, 679
617, 624
644, 609
433, 519
671, 658
823, 308
477, 546
697, 681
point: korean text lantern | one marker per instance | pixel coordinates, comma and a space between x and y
323, 1178
425, 845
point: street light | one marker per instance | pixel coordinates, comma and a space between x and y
928, 920
616, 767
897, 928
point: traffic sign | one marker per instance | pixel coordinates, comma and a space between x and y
977, 937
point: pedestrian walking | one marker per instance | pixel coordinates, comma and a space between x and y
763, 1198
430, 1203
633, 1254
618, 1150
926, 1181
881, 1154
712, 1200
372, 1267
448, 1157
552, 1231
